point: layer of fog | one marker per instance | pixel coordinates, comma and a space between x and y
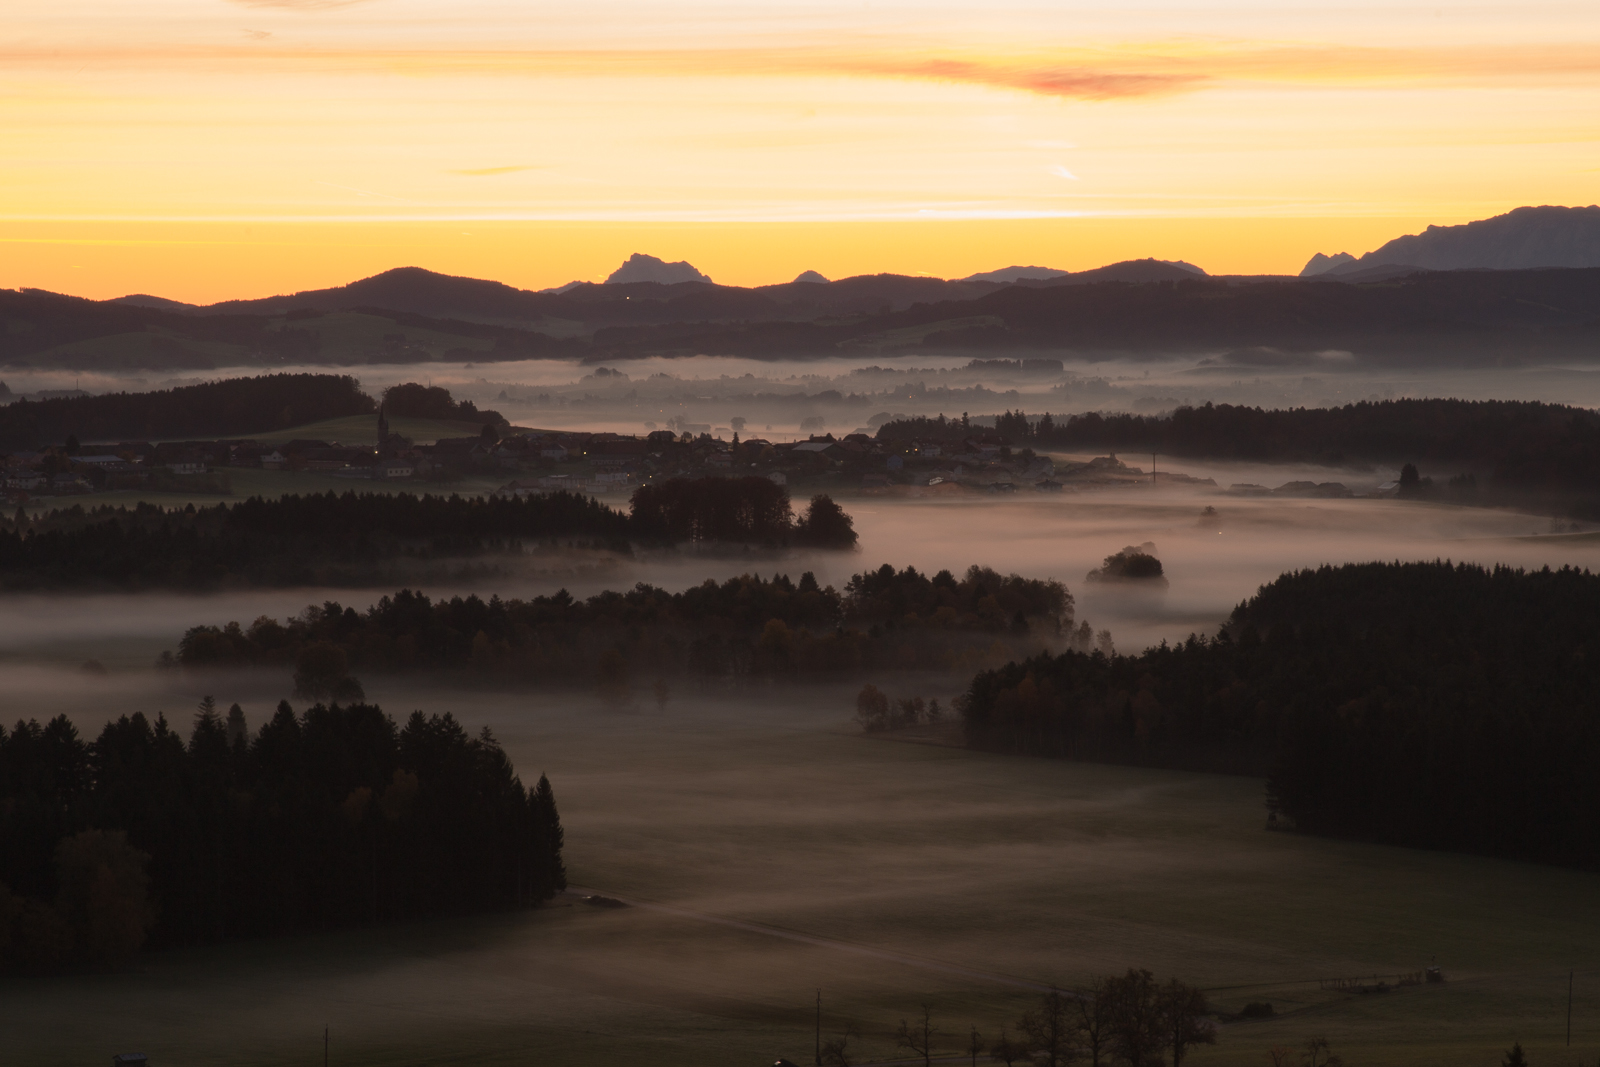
783, 399
1212, 562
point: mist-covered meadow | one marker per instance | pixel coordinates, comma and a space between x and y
770, 850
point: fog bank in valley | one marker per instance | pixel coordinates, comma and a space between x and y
784, 399
1212, 561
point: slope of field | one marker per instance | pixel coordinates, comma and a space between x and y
946, 865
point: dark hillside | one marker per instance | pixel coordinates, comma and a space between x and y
231, 407
1419, 704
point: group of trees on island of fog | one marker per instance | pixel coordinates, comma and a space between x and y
1515, 445
745, 626
1423, 704
333, 817
748, 510
370, 538
225, 408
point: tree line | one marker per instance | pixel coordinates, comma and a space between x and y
229, 407
420, 401
332, 817
747, 626
1128, 1019
1515, 444
371, 538
1421, 704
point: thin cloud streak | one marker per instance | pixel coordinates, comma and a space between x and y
1121, 72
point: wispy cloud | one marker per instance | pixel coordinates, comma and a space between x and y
299, 5
1062, 172
364, 192
1121, 71
483, 171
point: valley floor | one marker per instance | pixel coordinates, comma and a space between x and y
887, 875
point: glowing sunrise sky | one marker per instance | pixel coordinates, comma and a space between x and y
207, 149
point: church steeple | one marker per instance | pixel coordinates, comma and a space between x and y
383, 435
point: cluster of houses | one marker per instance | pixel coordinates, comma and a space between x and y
599, 463
539, 462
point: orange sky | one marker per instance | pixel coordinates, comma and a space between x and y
207, 149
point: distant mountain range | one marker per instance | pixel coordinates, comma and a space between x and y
1528, 238
1423, 313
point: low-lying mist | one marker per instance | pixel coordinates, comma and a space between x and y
783, 399
1212, 560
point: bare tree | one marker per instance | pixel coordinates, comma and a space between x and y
1319, 1054
836, 1050
919, 1038
1279, 1055
1050, 1029
1183, 1011
1094, 1012
975, 1045
1007, 1050
1137, 1033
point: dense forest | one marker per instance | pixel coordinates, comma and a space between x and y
226, 408
1423, 704
1514, 444
377, 538
333, 817
744, 627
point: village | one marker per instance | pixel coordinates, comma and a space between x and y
596, 463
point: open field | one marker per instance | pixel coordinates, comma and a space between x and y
363, 430
768, 809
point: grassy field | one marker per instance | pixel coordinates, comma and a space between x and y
910, 863
363, 430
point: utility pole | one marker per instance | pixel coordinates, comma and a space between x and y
1569, 1009
1152, 468
324, 1046
819, 1029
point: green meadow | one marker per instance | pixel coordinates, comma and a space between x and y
787, 853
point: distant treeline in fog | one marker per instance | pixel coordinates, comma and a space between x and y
333, 817
1420, 704
367, 538
1514, 443
223, 408
746, 626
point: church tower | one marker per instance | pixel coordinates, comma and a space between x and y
383, 436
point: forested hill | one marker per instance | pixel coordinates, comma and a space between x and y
224, 408
1424, 704
1512, 442
359, 539
334, 817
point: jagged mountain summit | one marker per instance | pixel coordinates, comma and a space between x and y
1321, 264
643, 268
1528, 238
